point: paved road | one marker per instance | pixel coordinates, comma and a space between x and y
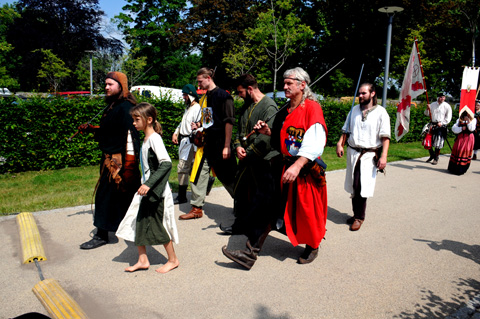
416, 256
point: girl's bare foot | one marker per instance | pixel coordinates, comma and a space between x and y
138, 266
170, 265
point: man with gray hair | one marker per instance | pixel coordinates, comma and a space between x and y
299, 134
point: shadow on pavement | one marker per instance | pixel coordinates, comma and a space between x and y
434, 307
471, 252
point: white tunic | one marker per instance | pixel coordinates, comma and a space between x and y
457, 129
366, 133
192, 114
156, 143
440, 112
126, 229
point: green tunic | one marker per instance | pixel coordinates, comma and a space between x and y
254, 185
149, 227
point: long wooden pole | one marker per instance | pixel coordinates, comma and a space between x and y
423, 77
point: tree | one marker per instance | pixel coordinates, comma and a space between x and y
213, 27
7, 60
148, 29
280, 33
134, 68
66, 27
53, 69
248, 57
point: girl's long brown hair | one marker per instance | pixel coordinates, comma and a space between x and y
146, 110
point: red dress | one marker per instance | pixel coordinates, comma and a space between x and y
306, 204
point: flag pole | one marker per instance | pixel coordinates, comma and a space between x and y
423, 77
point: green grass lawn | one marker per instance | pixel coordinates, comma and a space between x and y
43, 190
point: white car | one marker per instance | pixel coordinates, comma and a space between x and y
174, 95
5, 92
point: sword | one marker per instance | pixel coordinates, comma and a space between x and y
244, 139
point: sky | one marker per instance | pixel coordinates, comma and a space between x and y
110, 7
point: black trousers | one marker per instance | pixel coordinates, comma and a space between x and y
359, 203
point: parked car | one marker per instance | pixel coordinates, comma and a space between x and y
5, 92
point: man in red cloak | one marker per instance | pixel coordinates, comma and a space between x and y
299, 133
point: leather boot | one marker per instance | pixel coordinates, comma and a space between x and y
308, 255
195, 212
247, 257
182, 195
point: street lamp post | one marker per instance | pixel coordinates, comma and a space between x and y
390, 11
91, 71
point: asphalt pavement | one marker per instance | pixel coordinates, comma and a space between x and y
416, 256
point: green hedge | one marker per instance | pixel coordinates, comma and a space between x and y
335, 114
34, 132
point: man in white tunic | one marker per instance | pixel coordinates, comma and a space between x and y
440, 113
186, 149
367, 134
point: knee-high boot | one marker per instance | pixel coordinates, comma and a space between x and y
182, 195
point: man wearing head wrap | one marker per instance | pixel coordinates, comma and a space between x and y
186, 150
119, 173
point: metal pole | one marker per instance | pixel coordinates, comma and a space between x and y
387, 60
91, 76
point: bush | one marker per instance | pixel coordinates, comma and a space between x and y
34, 132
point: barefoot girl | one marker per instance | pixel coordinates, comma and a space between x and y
155, 221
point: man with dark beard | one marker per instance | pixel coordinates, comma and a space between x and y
119, 173
367, 134
254, 185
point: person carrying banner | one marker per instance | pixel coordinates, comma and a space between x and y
299, 134
462, 148
217, 121
441, 114
181, 136
477, 130
367, 134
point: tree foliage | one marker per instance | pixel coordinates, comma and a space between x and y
280, 33
53, 69
66, 27
7, 60
148, 29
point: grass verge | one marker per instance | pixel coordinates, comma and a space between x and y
43, 190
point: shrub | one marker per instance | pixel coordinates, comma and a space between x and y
34, 132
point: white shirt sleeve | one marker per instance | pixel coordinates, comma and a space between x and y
313, 142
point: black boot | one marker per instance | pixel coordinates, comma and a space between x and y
437, 154
432, 155
211, 180
99, 239
182, 195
